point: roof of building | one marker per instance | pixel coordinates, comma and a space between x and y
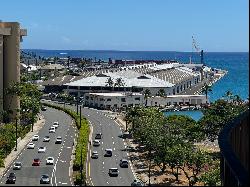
129, 77
52, 66
121, 94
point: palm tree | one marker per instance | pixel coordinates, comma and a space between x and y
146, 93
119, 82
206, 88
161, 92
110, 82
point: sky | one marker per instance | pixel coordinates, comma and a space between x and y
131, 25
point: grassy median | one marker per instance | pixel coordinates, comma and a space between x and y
82, 142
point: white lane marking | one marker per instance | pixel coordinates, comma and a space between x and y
103, 163
64, 183
114, 148
68, 147
113, 142
112, 137
102, 142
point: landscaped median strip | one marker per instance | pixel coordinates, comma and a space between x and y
82, 142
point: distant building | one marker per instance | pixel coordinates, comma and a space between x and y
10, 37
51, 70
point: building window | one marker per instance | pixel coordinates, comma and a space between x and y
87, 97
123, 99
187, 85
108, 99
184, 86
137, 98
181, 87
177, 89
174, 91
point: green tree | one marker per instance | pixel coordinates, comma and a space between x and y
110, 83
146, 94
211, 177
119, 83
206, 89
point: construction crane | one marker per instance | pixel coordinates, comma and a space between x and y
196, 47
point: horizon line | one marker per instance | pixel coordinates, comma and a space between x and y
133, 50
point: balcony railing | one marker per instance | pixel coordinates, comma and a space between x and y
234, 145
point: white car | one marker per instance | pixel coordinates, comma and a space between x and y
59, 140
56, 124
46, 139
17, 166
35, 138
52, 130
96, 143
94, 154
41, 149
50, 160
30, 145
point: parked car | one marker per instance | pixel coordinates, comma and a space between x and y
123, 163
113, 172
46, 139
59, 140
96, 143
30, 145
56, 124
41, 149
50, 161
45, 179
108, 152
98, 136
43, 108
94, 154
36, 162
11, 179
52, 130
35, 138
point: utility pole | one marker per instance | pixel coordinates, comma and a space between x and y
80, 115
77, 105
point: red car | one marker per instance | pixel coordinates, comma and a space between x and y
36, 162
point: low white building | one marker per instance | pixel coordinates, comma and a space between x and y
176, 100
114, 100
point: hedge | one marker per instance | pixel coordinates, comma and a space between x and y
82, 140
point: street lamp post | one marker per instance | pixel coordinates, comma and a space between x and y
80, 115
77, 105
16, 135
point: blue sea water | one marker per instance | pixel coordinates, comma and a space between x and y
236, 63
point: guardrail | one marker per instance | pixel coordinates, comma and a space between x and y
234, 145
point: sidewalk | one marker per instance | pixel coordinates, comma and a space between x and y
21, 144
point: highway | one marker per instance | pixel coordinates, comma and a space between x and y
97, 169
59, 172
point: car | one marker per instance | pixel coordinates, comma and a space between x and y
44, 179
17, 166
41, 149
113, 172
43, 108
108, 152
56, 124
124, 163
50, 161
30, 145
36, 162
52, 130
11, 179
94, 154
35, 138
46, 139
96, 143
59, 140
137, 182
98, 136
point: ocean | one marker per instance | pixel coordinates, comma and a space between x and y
236, 63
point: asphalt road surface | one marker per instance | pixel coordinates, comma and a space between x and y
59, 172
97, 169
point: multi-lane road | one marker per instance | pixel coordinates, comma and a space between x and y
59, 172
97, 169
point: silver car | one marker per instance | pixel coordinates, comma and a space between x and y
45, 179
17, 166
